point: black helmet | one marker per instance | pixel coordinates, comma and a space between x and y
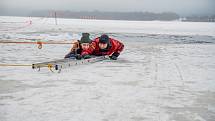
104, 39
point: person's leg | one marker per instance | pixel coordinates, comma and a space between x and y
70, 55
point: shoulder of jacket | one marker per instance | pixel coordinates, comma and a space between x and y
96, 39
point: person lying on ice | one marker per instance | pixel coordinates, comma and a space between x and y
79, 46
103, 45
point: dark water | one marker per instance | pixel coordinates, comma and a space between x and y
166, 39
131, 37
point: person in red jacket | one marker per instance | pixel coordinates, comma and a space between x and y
104, 46
79, 46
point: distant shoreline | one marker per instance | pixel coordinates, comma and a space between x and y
128, 16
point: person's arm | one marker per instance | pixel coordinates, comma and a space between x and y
73, 50
119, 49
75, 46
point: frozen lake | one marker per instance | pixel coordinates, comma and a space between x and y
165, 73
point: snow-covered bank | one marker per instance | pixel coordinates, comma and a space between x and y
45, 25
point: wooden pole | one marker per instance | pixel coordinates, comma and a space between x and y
55, 14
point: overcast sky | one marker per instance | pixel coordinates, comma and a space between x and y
182, 7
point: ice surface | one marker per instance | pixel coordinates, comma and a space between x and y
165, 73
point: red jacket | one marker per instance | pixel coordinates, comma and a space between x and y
115, 46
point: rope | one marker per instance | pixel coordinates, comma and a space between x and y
38, 42
50, 66
15, 65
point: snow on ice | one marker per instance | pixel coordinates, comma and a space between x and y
165, 73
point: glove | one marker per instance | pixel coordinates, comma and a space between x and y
86, 56
78, 57
114, 56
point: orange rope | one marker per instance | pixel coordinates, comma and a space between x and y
15, 65
38, 42
50, 66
